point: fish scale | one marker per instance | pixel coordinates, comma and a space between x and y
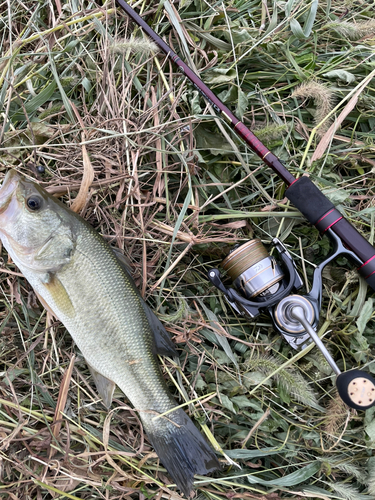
119, 322
78, 277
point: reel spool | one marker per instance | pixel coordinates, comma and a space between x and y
252, 270
261, 283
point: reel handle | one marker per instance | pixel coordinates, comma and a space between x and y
355, 387
214, 277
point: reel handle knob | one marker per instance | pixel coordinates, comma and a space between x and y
357, 389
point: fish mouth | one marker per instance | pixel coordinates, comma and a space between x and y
8, 188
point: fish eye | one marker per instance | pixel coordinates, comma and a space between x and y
34, 202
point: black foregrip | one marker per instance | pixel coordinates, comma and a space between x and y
309, 200
318, 210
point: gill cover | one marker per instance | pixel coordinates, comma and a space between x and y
33, 228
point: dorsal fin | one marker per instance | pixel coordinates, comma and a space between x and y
162, 342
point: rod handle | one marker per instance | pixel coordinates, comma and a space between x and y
321, 212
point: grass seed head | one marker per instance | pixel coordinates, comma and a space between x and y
134, 45
354, 31
290, 380
323, 98
346, 491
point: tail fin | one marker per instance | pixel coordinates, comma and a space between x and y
181, 448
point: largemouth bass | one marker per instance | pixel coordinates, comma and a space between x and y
79, 278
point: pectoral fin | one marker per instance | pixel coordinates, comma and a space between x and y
104, 386
59, 295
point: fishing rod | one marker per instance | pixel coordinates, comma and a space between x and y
260, 282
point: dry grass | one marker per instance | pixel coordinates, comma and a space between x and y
157, 179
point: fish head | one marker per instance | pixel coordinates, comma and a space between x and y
35, 228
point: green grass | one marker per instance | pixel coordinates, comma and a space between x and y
175, 189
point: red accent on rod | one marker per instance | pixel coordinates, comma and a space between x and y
251, 140
325, 215
367, 261
246, 134
332, 224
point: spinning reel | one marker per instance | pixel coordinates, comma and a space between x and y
263, 284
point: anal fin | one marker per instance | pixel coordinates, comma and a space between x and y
104, 386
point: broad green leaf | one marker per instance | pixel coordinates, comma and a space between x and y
200, 384
212, 40
370, 430
214, 142
359, 346
229, 95
249, 454
341, 74
86, 84
64, 97
336, 196
220, 75
69, 46
242, 104
289, 6
241, 401
221, 358
307, 29
101, 29
273, 22
361, 297
195, 103
227, 403
223, 341
297, 477
295, 26
43, 96
12, 373
365, 315
237, 35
